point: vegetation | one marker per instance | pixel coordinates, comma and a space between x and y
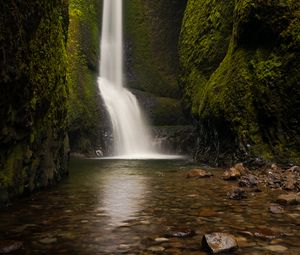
33, 95
83, 57
240, 74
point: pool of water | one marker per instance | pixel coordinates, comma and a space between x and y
127, 206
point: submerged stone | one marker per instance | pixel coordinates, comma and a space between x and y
198, 173
180, 233
276, 209
219, 242
9, 246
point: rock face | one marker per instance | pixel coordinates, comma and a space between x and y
240, 75
151, 34
33, 93
86, 111
219, 242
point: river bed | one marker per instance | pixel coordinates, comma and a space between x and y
130, 206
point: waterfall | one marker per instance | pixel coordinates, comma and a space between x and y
131, 138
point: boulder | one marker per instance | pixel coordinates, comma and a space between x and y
198, 173
219, 242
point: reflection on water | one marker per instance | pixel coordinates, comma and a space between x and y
122, 196
125, 206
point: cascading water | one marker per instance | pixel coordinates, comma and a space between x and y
131, 138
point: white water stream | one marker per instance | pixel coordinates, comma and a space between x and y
131, 137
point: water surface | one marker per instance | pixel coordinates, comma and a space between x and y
122, 206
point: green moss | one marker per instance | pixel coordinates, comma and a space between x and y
168, 111
151, 35
252, 90
83, 55
33, 92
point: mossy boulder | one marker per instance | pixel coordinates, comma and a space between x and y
240, 75
33, 93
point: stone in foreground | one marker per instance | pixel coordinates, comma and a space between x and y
219, 242
198, 173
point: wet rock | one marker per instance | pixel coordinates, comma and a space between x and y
8, 246
248, 181
276, 248
180, 233
289, 199
237, 194
198, 173
290, 183
219, 242
234, 172
276, 209
48, 240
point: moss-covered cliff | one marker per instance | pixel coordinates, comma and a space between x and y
240, 74
33, 94
83, 56
151, 35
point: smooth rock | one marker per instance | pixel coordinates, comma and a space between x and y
237, 194
289, 199
276, 209
198, 173
219, 242
276, 248
9, 246
161, 239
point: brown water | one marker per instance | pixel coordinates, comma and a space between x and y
122, 206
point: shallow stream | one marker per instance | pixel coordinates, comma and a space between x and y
129, 206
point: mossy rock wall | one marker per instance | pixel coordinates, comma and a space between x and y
33, 93
240, 71
151, 36
83, 57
